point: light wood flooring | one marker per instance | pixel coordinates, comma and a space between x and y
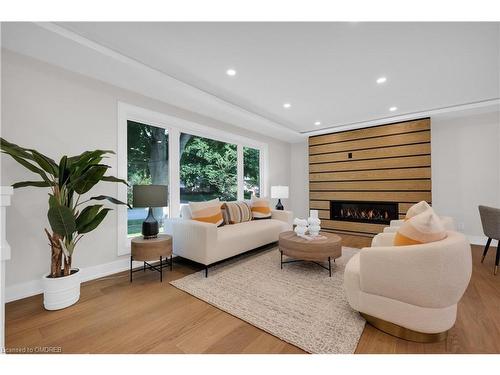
147, 316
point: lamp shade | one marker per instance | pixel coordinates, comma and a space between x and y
150, 195
279, 192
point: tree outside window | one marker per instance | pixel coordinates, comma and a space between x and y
251, 172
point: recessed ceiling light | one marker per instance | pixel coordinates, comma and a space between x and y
317, 123
287, 105
392, 109
231, 72
381, 80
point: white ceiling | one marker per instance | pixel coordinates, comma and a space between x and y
327, 71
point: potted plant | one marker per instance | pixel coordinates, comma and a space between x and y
70, 216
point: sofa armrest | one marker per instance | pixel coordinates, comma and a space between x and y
391, 229
383, 239
396, 223
192, 239
281, 215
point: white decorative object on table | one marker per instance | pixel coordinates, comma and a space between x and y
301, 226
314, 223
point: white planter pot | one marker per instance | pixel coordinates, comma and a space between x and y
61, 292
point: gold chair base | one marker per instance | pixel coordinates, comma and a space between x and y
402, 332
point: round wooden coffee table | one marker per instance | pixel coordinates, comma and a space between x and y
322, 250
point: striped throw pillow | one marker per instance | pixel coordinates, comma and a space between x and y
208, 212
260, 208
236, 212
422, 228
417, 208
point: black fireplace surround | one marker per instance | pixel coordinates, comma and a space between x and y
364, 211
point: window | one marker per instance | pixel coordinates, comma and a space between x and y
251, 172
208, 169
197, 162
147, 163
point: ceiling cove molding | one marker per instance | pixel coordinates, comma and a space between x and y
179, 93
486, 105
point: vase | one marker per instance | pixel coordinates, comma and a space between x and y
61, 292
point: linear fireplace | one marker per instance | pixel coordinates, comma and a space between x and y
363, 211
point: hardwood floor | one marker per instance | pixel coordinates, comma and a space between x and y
147, 316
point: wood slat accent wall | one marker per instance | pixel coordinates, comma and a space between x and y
390, 163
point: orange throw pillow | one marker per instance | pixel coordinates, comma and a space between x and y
422, 228
260, 208
417, 208
208, 212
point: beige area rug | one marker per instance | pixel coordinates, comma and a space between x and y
299, 304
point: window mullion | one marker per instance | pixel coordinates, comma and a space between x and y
240, 176
174, 167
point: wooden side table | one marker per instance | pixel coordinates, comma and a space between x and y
159, 248
319, 250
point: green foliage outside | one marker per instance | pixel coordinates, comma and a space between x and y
208, 168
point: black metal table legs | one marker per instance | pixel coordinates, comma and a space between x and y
329, 268
153, 267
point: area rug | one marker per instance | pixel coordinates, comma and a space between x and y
299, 304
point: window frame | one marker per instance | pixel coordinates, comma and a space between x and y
175, 126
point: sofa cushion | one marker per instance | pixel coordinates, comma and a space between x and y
208, 212
417, 208
238, 238
260, 208
422, 228
236, 212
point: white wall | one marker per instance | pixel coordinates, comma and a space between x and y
465, 168
299, 179
59, 112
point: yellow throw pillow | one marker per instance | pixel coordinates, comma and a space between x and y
417, 208
422, 228
260, 208
208, 212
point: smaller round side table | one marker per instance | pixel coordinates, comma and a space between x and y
147, 250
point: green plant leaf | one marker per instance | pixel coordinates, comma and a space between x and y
89, 178
32, 183
61, 218
63, 172
30, 166
13, 149
47, 164
86, 216
110, 199
114, 179
94, 223
80, 162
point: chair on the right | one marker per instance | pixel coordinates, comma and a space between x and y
490, 218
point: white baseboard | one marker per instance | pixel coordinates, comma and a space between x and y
34, 287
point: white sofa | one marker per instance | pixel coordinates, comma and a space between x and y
415, 287
448, 223
207, 244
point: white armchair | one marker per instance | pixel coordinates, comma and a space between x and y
410, 291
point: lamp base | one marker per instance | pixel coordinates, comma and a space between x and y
279, 206
150, 226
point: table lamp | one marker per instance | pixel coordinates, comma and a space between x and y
279, 192
150, 196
